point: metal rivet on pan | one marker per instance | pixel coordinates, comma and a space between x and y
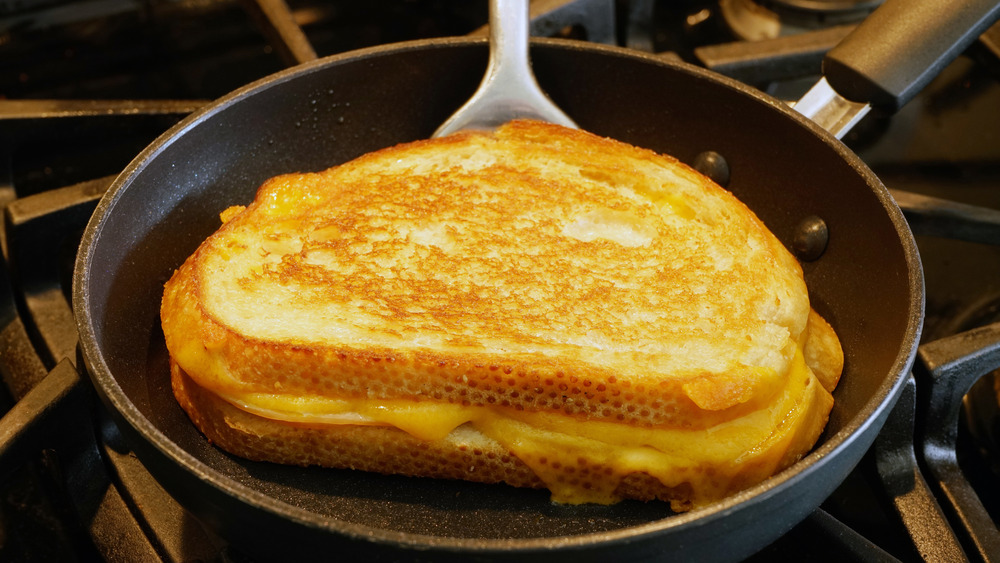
713, 165
811, 237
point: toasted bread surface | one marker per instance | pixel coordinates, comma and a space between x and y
578, 266
536, 269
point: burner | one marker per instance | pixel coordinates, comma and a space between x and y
823, 6
89, 83
981, 406
982, 416
753, 20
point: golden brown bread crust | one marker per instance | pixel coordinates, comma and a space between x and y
532, 384
536, 385
621, 287
702, 314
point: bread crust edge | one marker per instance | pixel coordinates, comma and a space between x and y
465, 455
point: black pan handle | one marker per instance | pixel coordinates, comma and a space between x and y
902, 45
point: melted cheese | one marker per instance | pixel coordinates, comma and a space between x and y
583, 461
424, 420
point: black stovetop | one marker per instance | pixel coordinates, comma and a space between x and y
86, 85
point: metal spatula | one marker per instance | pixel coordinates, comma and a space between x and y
509, 90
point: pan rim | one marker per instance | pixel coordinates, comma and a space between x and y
111, 392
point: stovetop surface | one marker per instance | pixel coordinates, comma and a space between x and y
945, 144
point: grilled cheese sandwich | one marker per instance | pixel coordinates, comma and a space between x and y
537, 306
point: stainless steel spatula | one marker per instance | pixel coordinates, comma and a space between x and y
509, 90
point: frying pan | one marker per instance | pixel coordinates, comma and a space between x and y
868, 283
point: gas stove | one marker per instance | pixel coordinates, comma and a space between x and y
87, 84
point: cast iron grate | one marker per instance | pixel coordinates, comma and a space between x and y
75, 492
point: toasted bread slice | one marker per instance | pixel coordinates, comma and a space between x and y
577, 293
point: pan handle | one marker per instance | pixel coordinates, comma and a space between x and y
902, 46
896, 51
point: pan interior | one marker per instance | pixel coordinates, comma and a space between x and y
323, 114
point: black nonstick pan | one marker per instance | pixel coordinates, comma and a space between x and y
867, 282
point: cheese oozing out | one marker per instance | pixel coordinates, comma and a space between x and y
584, 461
